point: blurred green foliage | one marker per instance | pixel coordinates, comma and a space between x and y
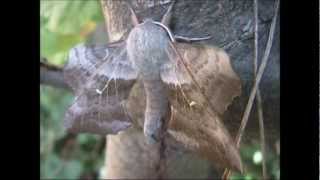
63, 24
253, 168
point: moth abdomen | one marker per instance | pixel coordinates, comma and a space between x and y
157, 110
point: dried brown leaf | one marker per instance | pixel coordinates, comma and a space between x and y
194, 122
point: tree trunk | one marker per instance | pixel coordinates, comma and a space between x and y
230, 22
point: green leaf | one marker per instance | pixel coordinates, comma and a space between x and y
68, 17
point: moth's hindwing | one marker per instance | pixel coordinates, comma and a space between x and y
194, 123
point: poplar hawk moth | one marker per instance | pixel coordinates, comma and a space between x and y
187, 87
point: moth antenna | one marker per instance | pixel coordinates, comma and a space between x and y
190, 40
166, 29
134, 18
167, 16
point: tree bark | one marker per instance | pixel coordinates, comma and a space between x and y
231, 25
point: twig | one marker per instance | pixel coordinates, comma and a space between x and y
256, 83
258, 96
259, 75
51, 75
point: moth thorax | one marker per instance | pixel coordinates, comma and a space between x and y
146, 47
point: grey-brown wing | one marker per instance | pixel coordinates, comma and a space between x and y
101, 77
194, 123
90, 66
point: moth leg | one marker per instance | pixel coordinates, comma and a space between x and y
104, 88
180, 87
190, 40
177, 85
107, 54
116, 89
107, 84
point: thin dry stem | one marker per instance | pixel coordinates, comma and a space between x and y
259, 75
258, 96
256, 83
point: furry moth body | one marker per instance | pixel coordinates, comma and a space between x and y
146, 46
96, 72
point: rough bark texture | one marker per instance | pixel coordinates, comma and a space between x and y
230, 22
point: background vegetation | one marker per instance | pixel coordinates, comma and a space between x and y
64, 23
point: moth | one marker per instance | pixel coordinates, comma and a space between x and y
187, 87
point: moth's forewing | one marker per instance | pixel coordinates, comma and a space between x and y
89, 69
194, 122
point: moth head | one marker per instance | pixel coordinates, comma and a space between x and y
166, 18
147, 20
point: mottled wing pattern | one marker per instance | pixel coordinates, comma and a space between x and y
196, 122
91, 65
101, 77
